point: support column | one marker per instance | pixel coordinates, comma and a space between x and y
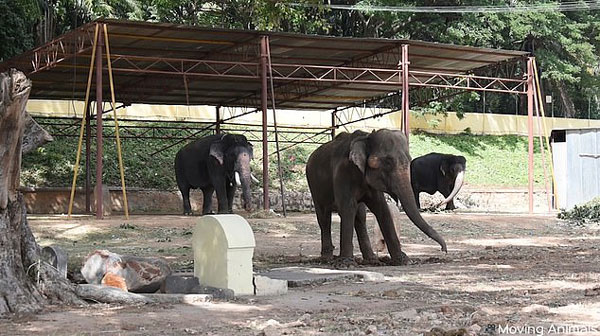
530, 98
333, 123
405, 101
218, 121
263, 101
99, 210
88, 150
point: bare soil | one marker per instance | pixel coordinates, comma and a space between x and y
503, 274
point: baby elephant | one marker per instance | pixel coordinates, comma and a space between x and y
438, 172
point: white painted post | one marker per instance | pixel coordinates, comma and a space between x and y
223, 247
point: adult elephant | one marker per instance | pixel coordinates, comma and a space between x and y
355, 170
211, 164
438, 172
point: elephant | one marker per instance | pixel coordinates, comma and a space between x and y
438, 172
352, 172
213, 163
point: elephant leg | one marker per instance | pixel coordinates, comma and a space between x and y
324, 219
230, 197
360, 225
207, 194
378, 206
417, 192
185, 194
221, 195
446, 192
347, 217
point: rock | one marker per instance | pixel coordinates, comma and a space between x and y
266, 286
372, 330
142, 275
217, 293
57, 257
409, 314
536, 309
179, 284
441, 332
391, 293
473, 330
447, 310
592, 291
112, 280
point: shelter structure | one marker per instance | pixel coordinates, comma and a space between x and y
159, 63
575, 153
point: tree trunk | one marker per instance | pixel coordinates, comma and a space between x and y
567, 102
26, 283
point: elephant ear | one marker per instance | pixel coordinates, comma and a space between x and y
444, 167
216, 151
358, 152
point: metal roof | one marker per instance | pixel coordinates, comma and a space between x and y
162, 63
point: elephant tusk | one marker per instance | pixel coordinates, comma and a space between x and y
238, 182
254, 179
457, 185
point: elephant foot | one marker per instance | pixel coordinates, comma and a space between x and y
188, 213
372, 261
403, 260
344, 263
326, 258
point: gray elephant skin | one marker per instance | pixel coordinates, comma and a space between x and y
210, 164
354, 170
438, 172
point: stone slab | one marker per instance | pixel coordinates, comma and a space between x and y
304, 276
179, 284
264, 286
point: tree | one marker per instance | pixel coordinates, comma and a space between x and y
26, 282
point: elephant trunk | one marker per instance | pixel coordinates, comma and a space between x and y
460, 178
407, 199
244, 181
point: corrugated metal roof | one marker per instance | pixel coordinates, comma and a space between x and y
151, 58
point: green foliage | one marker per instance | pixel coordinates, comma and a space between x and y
491, 161
17, 26
588, 212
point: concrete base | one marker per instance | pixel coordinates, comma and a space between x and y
304, 276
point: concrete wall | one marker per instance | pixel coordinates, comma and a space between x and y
478, 123
142, 201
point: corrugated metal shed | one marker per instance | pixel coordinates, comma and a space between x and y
158, 63
576, 157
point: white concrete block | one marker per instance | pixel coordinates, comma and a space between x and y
223, 247
264, 286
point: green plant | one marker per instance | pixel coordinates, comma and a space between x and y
588, 212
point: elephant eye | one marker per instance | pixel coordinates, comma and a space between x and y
388, 161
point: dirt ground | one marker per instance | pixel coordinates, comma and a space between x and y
503, 275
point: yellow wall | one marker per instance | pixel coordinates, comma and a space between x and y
494, 124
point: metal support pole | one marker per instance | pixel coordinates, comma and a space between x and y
333, 123
263, 101
99, 210
218, 120
405, 101
530, 127
88, 151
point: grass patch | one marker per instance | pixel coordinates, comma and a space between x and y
491, 161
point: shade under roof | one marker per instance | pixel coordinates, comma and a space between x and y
159, 63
